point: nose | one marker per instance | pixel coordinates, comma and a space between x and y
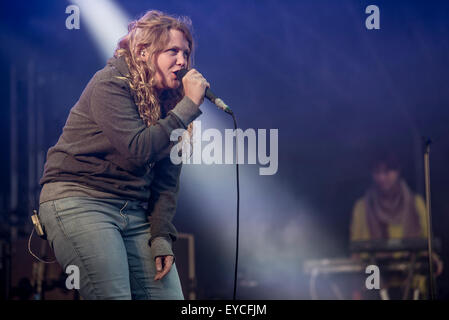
181, 60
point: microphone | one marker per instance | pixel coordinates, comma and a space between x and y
209, 94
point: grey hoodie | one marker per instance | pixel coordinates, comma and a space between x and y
106, 150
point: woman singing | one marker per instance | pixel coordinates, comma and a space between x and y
109, 189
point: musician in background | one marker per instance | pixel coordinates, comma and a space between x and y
390, 210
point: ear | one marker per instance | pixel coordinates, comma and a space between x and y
141, 54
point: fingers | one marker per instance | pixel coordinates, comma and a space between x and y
167, 262
195, 86
158, 264
194, 74
167, 265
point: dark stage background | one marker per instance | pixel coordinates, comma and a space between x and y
336, 92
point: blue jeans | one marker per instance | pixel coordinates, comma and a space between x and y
107, 239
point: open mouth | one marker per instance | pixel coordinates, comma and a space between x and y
176, 73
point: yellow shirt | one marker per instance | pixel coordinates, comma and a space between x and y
359, 225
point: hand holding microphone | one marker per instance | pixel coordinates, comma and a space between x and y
196, 87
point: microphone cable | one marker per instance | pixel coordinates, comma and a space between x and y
221, 105
238, 208
237, 236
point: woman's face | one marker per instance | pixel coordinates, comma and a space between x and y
174, 57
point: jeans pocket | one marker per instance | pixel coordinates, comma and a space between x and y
64, 204
46, 212
47, 220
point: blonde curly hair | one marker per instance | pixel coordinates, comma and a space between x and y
152, 33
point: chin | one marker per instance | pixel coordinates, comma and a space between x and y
168, 86
174, 85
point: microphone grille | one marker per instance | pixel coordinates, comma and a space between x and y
181, 73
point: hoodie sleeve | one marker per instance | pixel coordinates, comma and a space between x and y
116, 114
162, 206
